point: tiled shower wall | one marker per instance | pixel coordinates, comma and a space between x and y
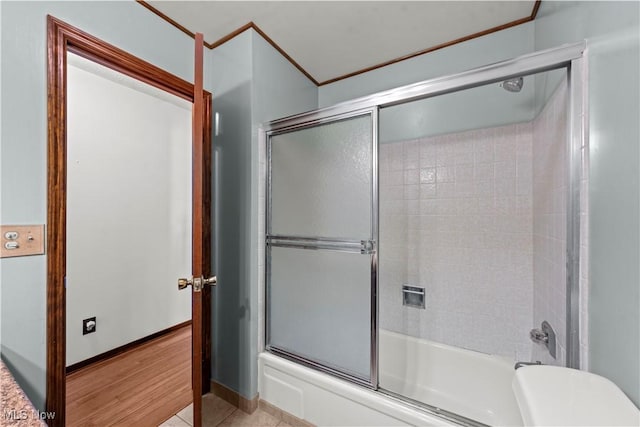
550, 223
478, 219
456, 219
550, 176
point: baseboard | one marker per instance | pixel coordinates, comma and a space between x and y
130, 346
245, 405
284, 416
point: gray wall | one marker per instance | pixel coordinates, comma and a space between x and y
230, 77
24, 145
486, 106
613, 33
252, 83
473, 53
478, 108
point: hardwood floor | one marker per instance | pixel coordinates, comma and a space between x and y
142, 387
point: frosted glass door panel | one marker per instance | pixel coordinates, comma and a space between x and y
320, 307
321, 180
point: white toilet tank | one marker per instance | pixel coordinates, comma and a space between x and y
557, 396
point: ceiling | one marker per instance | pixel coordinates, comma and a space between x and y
330, 40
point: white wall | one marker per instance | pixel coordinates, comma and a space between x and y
128, 208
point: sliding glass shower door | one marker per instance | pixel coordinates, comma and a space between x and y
321, 244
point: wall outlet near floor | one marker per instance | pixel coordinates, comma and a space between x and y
88, 326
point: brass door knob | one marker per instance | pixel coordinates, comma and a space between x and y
183, 283
211, 281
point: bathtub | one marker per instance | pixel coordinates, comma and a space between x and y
471, 384
468, 383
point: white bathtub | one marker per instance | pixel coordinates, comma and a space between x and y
468, 383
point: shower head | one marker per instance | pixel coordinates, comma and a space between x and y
513, 85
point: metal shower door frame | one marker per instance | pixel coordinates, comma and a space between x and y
366, 247
572, 58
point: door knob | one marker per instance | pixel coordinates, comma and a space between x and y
197, 282
183, 283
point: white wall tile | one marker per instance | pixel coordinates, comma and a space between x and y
549, 198
460, 245
428, 175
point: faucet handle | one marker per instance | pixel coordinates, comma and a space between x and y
545, 335
539, 336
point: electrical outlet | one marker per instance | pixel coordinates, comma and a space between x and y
88, 326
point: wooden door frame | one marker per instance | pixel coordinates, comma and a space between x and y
61, 39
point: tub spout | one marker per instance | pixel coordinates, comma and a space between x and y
521, 364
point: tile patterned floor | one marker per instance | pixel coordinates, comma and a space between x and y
218, 412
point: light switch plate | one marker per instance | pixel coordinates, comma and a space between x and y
28, 238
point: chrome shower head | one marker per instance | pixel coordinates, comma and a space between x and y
513, 85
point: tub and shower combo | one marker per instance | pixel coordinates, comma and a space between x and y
420, 242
